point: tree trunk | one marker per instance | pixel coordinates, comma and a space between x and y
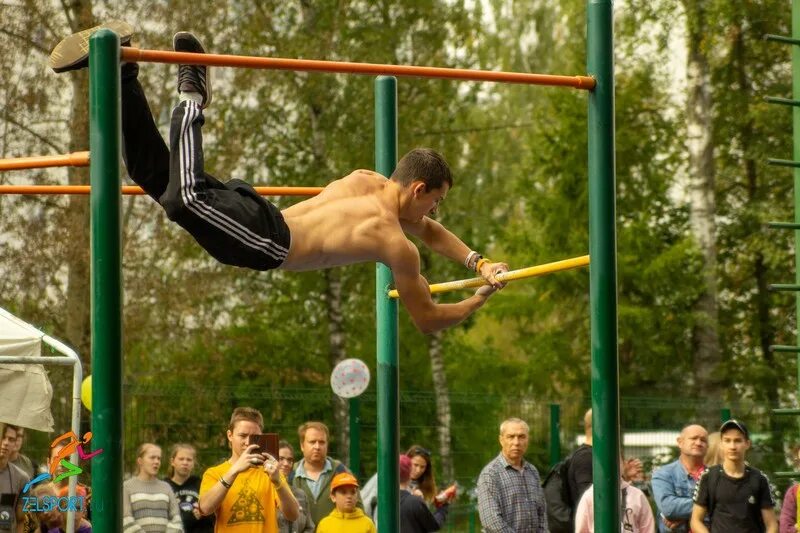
336, 345
442, 394
765, 331
78, 306
700, 146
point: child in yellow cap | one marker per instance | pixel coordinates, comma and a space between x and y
346, 518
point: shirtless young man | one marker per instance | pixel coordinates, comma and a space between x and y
361, 217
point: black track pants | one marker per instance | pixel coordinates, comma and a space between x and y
230, 220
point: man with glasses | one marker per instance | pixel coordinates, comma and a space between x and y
304, 522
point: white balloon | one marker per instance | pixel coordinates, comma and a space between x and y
350, 378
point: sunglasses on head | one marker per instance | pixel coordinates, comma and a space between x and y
419, 450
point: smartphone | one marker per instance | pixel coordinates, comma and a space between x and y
267, 443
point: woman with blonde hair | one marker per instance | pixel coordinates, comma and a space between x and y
714, 452
149, 505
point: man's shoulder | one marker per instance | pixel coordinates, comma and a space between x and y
401, 254
582, 453
581, 459
216, 470
667, 470
755, 473
18, 473
497, 464
337, 466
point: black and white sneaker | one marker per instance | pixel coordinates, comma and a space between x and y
192, 78
72, 53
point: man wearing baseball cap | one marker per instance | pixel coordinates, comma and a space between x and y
734, 495
346, 518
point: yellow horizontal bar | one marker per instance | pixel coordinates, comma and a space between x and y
512, 275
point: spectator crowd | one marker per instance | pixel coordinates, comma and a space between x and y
710, 487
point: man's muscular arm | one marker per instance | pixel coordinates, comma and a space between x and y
438, 238
444, 242
415, 294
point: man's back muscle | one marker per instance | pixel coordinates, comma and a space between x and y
349, 222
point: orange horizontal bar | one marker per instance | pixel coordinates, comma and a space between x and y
134, 190
75, 159
184, 58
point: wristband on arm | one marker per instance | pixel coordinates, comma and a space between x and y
472, 258
481, 262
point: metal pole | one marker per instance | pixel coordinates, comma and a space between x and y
388, 387
472, 519
796, 157
355, 436
104, 137
555, 433
603, 275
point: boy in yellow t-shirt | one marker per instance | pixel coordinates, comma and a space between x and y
346, 518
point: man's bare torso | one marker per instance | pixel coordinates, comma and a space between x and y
350, 221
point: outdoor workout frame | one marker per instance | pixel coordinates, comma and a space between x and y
105, 144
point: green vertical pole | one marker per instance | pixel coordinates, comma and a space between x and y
555, 433
355, 436
388, 387
603, 270
724, 415
104, 144
796, 153
472, 519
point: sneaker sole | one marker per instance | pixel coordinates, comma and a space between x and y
73, 52
202, 50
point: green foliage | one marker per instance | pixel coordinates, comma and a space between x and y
216, 336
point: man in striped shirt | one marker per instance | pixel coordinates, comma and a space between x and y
510, 497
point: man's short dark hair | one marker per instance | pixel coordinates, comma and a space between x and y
425, 165
4, 429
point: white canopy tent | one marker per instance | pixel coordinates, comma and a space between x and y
25, 390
